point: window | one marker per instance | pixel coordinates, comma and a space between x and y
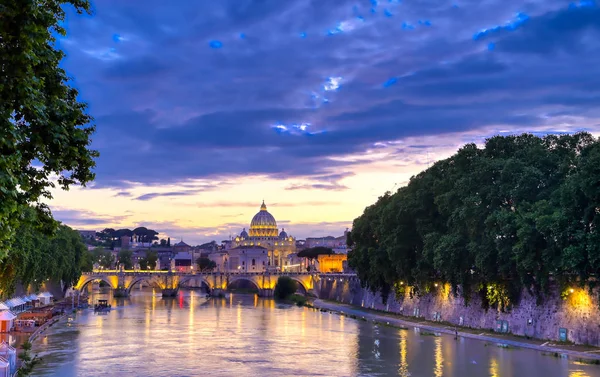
243, 263
253, 262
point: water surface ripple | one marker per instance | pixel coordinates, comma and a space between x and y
147, 335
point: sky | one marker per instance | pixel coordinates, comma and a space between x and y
205, 108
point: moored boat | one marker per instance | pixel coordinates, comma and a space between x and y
102, 306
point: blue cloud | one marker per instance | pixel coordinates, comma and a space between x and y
215, 44
164, 100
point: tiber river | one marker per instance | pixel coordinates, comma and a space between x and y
244, 335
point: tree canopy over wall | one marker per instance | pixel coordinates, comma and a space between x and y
36, 257
514, 214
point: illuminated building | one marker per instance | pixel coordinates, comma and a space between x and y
248, 259
264, 232
332, 262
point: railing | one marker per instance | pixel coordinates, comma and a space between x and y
236, 273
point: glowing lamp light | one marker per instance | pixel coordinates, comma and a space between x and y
571, 290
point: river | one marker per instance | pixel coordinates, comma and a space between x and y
146, 335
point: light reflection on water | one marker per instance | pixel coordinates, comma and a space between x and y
147, 335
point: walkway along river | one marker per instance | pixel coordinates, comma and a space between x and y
146, 335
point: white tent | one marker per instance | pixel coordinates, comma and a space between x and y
3, 306
45, 298
6, 321
25, 298
9, 354
4, 367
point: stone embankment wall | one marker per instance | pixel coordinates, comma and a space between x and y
578, 313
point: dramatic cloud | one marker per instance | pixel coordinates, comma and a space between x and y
76, 218
231, 88
310, 92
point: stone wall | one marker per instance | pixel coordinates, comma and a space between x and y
578, 313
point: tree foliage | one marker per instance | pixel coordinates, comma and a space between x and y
103, 257
111, 236
149, 261
514, 214
28, 362
44, 130
36, 257
205, 264
314, 252
285, 287
125, 257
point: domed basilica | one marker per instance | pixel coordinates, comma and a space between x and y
264, 232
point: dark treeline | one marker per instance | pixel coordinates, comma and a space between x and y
519, 212
140, 234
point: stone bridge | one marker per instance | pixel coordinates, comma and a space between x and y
169, 282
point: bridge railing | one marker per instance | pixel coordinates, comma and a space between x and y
214, 273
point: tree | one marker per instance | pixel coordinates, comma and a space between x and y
205, 264
169, 242
36, 257
151, 258
285, 287
125, 257
314, 252
515, 214
103, 257
27, 362
44, 130
163, 242
87, 262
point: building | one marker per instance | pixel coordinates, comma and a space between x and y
125, 242
248, 259
296, 263
220, 258
332, 262
338, 244
183, 262
181, 247
264, 232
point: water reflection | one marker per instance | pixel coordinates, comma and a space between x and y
243, 335
438, 369
403, 370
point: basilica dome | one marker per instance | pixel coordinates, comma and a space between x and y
283, 235
263, 224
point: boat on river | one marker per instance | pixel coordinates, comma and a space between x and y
102, 307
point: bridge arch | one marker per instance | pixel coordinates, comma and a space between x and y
148, 279
187, 279
85, 280
301, 283
244, 278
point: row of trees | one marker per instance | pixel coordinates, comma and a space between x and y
36, 257
140, 234
519, 212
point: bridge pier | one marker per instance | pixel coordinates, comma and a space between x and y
265, 292
121, 292
170, 292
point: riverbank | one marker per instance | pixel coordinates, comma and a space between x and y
45, 326
585, 354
